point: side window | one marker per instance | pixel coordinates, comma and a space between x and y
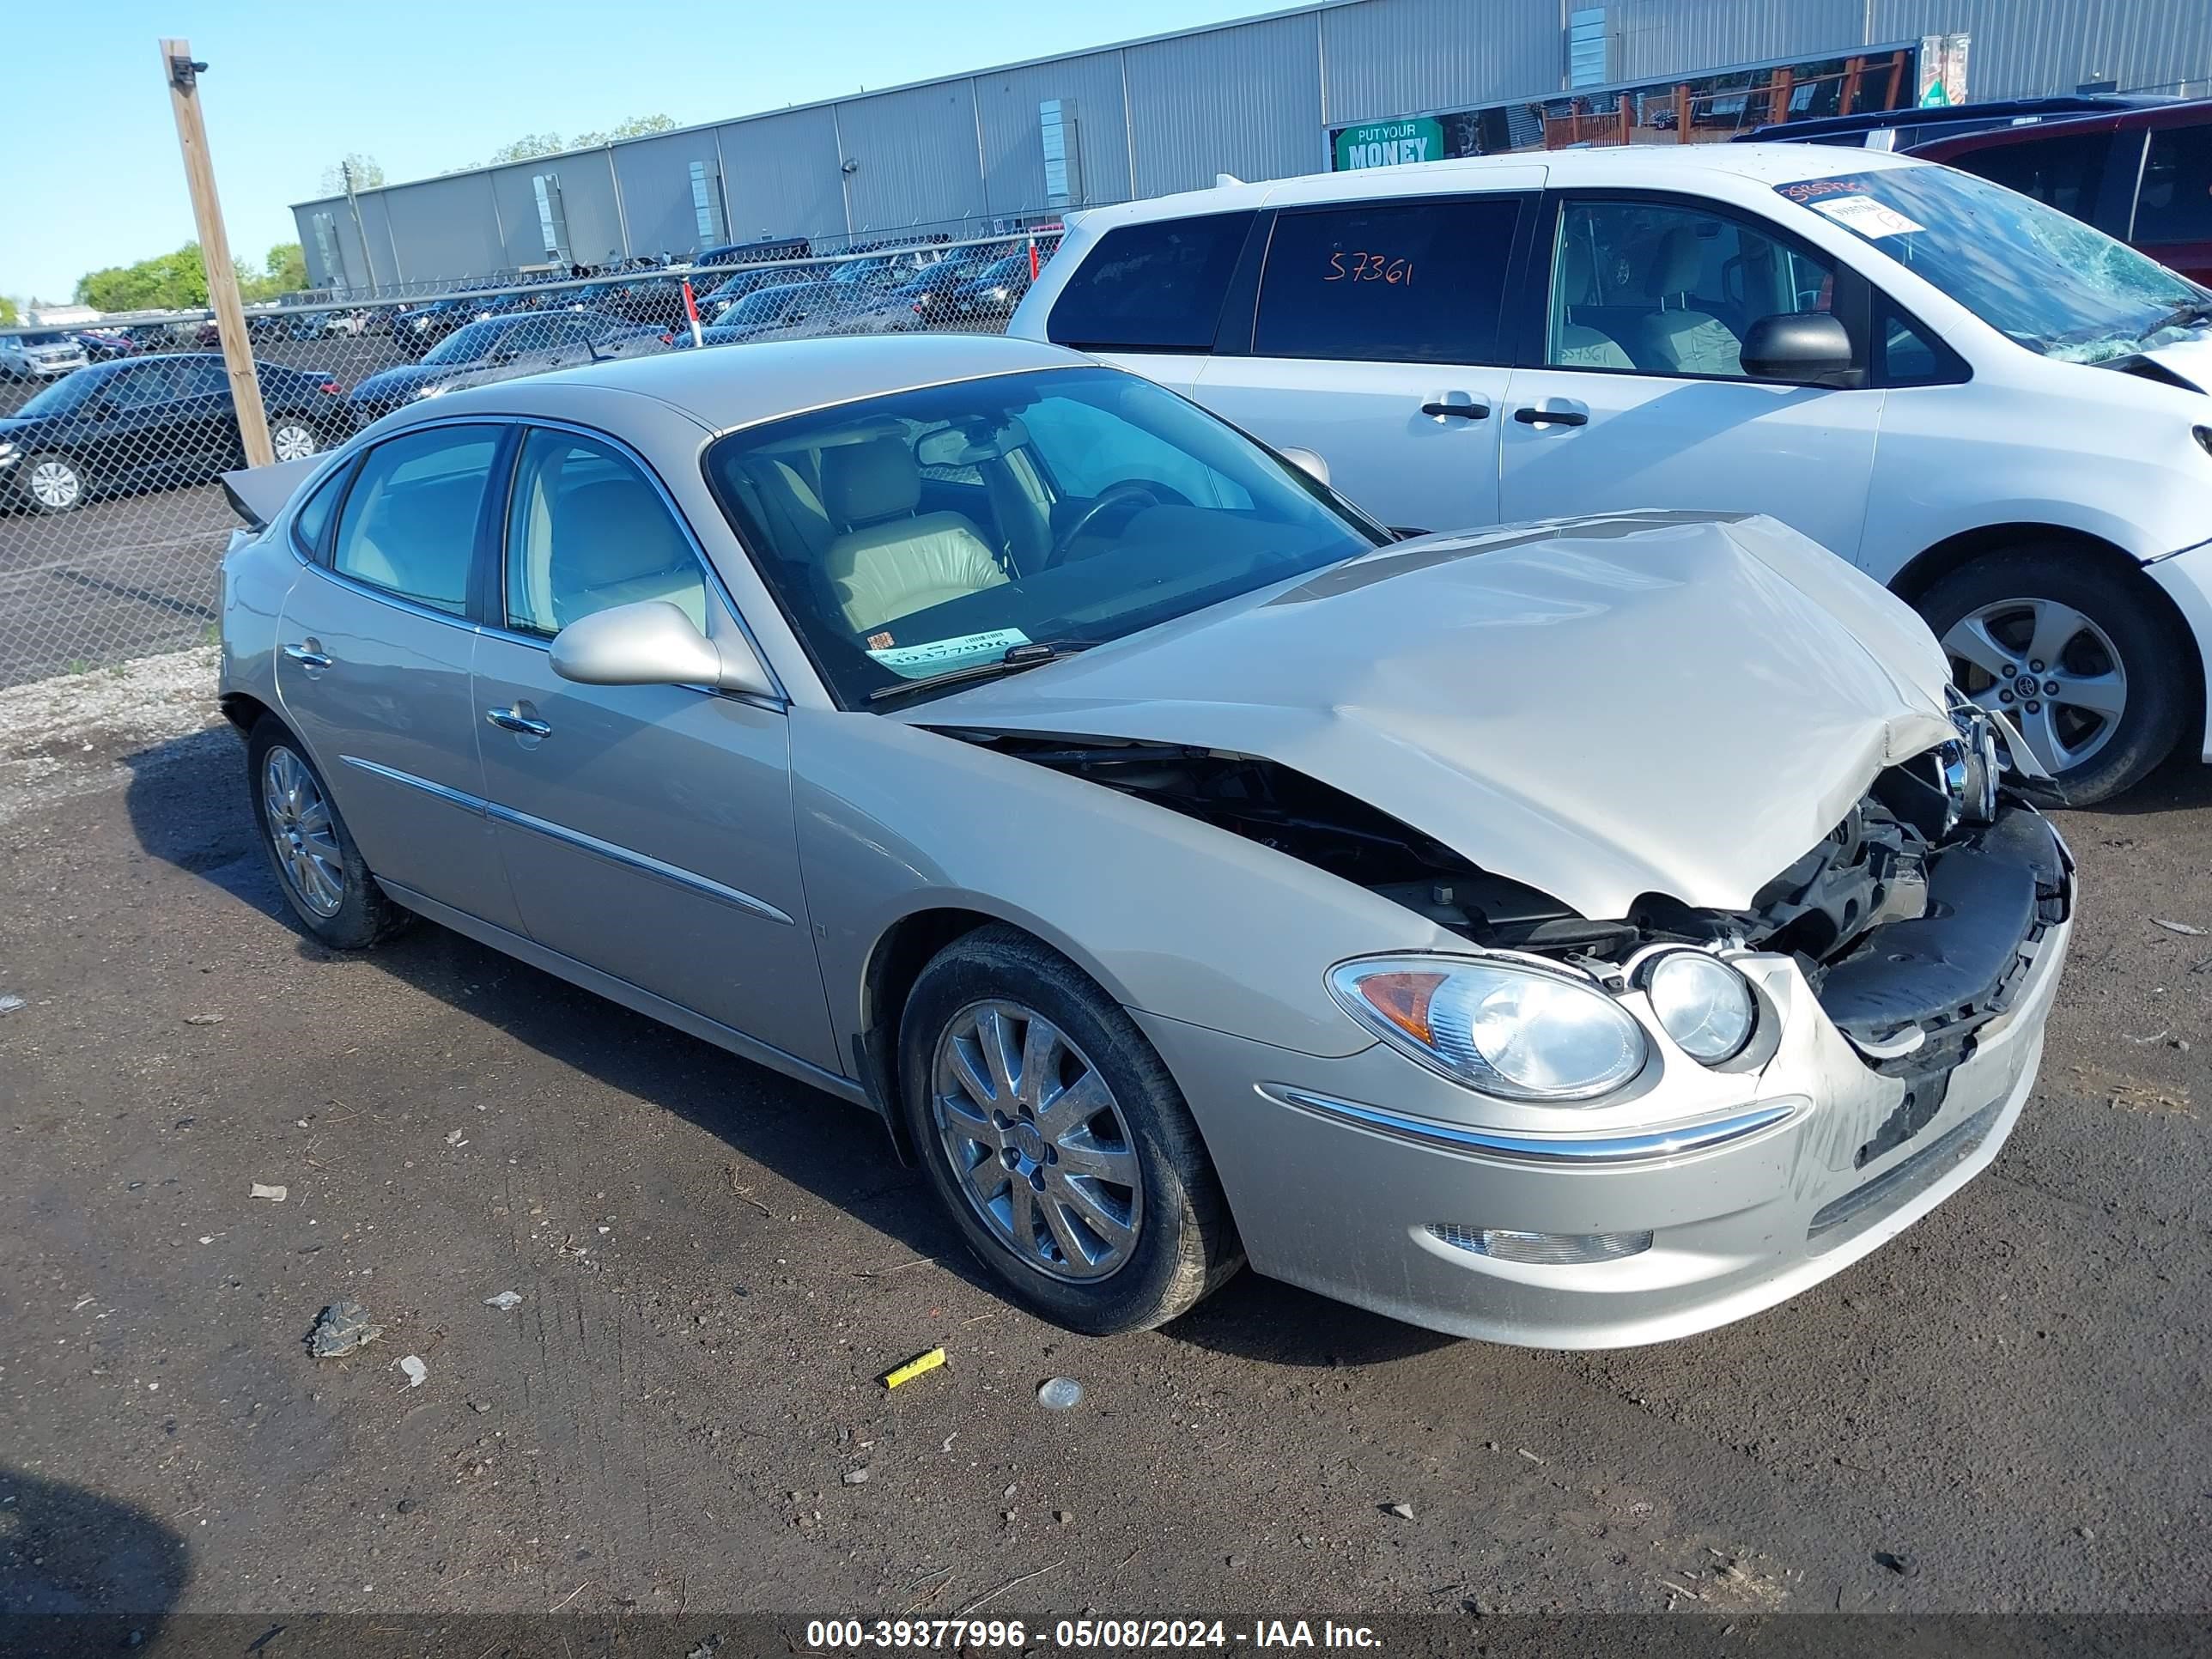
1909, 355
587, 531
409, 525
1156, 286
2060, 172
1407, 283
1662, 289
143, 384
313, 517
2176, 202
205, 377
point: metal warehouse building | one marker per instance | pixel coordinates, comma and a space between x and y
1344, 82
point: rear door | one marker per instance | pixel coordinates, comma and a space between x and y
1377, 341
1151, 297
1634, 392
2173, 206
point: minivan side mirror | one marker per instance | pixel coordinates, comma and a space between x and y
653, 644
1809, 347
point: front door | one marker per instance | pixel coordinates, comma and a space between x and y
373, 654
1376, 344
647, 829
1640, 398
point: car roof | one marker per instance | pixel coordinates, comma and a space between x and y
737, 385
1631, 166
2194, 112
1995, 109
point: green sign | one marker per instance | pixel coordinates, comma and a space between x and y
1390, 144
1936, 97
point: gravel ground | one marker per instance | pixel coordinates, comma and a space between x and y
2002, 1410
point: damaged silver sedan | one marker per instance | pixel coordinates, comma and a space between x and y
1577, 934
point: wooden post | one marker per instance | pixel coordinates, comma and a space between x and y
1854, 69
1896, 77
1778, 110
178, 70
1627, 120
1682, 112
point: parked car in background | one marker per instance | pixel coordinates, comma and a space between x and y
103, 345
713, 301
418, 328
925, 300
41, 356
2142, 176
154, 422
1904, 129
778, 311
1186, 870
1997, 411
743, 253
992, 292
504, 349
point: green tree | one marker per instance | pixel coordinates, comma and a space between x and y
167, 281
8, 313
637, 126
284, 271
529, 145
367, 174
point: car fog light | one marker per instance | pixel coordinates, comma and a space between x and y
1702, 1003
1542, 1250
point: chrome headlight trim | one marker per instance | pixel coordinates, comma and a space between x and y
1682, 958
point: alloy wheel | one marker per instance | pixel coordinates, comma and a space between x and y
1036, 1141
55, 484
2049, 669
293, 442
301, 830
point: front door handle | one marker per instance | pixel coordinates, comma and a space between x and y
1551, 417
514, 719
309, 655
1463, 411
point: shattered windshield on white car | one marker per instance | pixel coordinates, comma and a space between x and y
2041, 278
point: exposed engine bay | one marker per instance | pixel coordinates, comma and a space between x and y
1913, 920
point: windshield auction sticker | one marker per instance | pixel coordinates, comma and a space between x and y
1866, 216
916, 662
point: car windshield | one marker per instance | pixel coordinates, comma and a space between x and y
927, 533
2044, 280
465, 345
65, 395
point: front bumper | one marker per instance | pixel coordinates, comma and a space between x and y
1349, 1175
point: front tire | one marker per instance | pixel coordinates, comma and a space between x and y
1057, 1139
54, 483
2077, 653
318, 868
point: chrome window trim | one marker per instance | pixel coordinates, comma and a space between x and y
644, 862
1579, 1151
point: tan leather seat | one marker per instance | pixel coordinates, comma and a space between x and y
891, 561
1687, 342
1575, 346
614, 544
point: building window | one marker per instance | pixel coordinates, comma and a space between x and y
552, 223
1589, 48
707, 203
1063, 155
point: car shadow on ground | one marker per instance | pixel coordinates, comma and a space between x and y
83, 1573
186, 802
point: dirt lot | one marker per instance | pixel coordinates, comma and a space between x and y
2003, 1410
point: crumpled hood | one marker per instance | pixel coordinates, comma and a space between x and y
1599, 707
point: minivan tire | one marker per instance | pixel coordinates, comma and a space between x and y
363, 916
1186, 1243
2122, 605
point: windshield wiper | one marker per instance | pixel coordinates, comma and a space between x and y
2189, 311
1033, 653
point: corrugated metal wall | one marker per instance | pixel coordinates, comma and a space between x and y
779, 175
444, 226
1013, 156
1394, 57
655, 176
1245, 101
913, 155
1680, 37
2024, 47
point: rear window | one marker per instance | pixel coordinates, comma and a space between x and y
1157, 287
1403, 283
2176, 203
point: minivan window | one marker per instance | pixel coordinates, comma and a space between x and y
2175, 204
2064, 173
2045, 280
1419, 282
409, 524
1154, 287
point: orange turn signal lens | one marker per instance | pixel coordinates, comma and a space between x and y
1403, 999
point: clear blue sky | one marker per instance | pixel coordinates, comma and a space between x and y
94, 180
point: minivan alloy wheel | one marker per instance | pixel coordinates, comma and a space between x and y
2049, 668
301, 829
1039, 1146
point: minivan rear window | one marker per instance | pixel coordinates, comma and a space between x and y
1154, 287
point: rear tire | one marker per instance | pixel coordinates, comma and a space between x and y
293, 439
2077, 653
1008, 1167
320, 870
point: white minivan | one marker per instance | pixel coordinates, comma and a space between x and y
1994, 409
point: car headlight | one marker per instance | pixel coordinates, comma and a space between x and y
1702, 1003
6, 450
1515, 1030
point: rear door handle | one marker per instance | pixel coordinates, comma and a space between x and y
514, 719
308, 656
1551, 417
1467, 411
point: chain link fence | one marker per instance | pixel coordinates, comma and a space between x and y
112, 435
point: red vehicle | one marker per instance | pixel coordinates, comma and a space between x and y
2141, 175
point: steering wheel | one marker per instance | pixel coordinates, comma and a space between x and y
1131, 495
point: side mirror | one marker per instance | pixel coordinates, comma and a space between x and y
1307, 461
1805, 346
653, 644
